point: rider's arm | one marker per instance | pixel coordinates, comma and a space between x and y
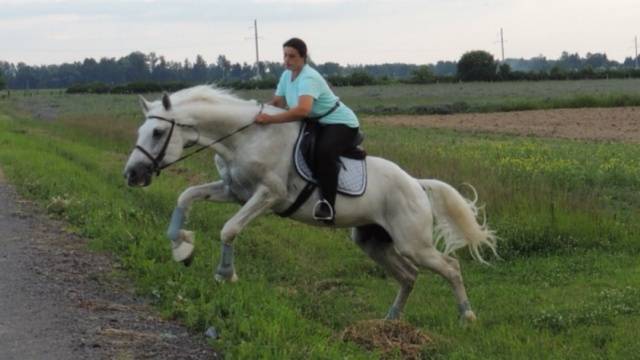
305, 103
278, 101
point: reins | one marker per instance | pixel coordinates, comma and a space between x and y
158, 159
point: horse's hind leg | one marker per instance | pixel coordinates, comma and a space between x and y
376, 243
449, 268
182, 240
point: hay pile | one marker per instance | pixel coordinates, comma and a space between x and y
389, 338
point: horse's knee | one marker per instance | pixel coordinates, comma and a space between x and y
455, 277
229, 232
185, 198
453, 262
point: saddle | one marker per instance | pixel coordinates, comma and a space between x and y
352, 179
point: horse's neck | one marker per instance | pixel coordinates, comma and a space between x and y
222, 121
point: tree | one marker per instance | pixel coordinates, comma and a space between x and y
504, 71
570, 61
199, 70
596, 60
557, 73
329, 69
2, 82
224, 65
89, 70
161, 71
477, 65
445, 68
422, 75
136, 67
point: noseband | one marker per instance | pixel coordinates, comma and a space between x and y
158, 159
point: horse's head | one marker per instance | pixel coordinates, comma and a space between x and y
160, 141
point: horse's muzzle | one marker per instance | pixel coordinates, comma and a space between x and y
139, 175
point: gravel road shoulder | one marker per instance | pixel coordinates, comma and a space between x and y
60, 301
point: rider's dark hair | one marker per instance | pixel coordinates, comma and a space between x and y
299, 45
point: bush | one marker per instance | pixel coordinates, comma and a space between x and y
264, 83
89, 88
2, 82
422, 75
477, 66
358, 78
132, 88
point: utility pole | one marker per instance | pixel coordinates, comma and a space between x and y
636, 58
255, 36
502, 44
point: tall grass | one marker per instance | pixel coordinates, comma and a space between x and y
566, 212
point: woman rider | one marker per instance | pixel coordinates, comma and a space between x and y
305, 93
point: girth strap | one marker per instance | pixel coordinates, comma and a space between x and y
302, 197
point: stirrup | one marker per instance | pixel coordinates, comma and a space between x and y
317, 208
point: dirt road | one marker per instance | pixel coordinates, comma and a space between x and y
60, 301
615, 124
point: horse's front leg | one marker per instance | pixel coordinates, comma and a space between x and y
182, 241
259, 202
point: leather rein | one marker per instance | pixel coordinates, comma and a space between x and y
158, 159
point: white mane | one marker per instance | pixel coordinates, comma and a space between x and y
206, 93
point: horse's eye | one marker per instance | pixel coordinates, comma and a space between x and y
157, 133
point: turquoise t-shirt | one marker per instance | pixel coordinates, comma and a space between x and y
310, 82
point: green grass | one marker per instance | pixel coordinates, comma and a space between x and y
566, 212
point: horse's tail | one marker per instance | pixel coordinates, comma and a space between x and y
456, 223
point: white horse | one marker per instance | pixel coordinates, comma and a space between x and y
393, 222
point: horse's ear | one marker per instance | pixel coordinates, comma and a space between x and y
166, 102
144, 104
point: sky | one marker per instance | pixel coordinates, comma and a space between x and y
39, 32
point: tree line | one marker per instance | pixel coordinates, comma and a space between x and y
137, 67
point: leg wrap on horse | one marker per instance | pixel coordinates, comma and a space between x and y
177, 219
394, 313
464, 307
225, 269
181, 240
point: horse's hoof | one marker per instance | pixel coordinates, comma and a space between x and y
188, 261
221, 278
468, 317
182, 252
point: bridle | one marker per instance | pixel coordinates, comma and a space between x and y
158, 159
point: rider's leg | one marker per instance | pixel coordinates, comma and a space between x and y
333, 140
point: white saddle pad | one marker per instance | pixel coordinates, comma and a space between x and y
352, 180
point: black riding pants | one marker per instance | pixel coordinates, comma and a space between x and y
332, 141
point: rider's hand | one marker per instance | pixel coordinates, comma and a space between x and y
263, 118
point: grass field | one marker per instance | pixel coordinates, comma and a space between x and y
436, 98
567, 286
485, 97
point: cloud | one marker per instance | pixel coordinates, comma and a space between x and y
345, 31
